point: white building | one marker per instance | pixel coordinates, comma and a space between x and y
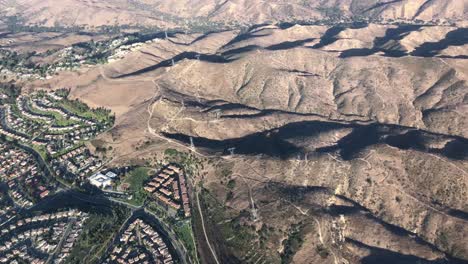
100, 180
111, 175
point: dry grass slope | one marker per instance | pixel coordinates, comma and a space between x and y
349, 144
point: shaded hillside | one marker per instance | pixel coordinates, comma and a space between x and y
320, 144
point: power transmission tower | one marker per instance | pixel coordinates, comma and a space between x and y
192, 145
217, 113
231, 151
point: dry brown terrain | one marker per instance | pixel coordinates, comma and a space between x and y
24, 42
349, 139
179, 13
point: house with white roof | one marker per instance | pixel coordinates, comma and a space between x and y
100, 180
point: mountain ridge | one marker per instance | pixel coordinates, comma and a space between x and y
180, 14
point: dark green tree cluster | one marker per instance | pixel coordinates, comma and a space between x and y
98, 232
11, 91
17, 24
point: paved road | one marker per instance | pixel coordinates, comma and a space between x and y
204, 230
62, 240
131, 206
178, 245
116, 236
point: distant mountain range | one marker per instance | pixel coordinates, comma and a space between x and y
177, 13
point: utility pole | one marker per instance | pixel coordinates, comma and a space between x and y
198, 95
217, 113
192, 145
231, 151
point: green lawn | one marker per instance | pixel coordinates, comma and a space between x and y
64, 151
78, 108
81, 109
136, 179
41, 150
184, 232
59, 120
15, 111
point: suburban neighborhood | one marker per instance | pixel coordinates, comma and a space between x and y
25, 178
140, 243
45, 154
169, 188
46, 238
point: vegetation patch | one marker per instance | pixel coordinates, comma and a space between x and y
293, 243
98, 232
136, 179
81, 109
190, 163
184, 232
238, 237
322, 251
8, 92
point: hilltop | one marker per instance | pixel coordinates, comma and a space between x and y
220, 13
